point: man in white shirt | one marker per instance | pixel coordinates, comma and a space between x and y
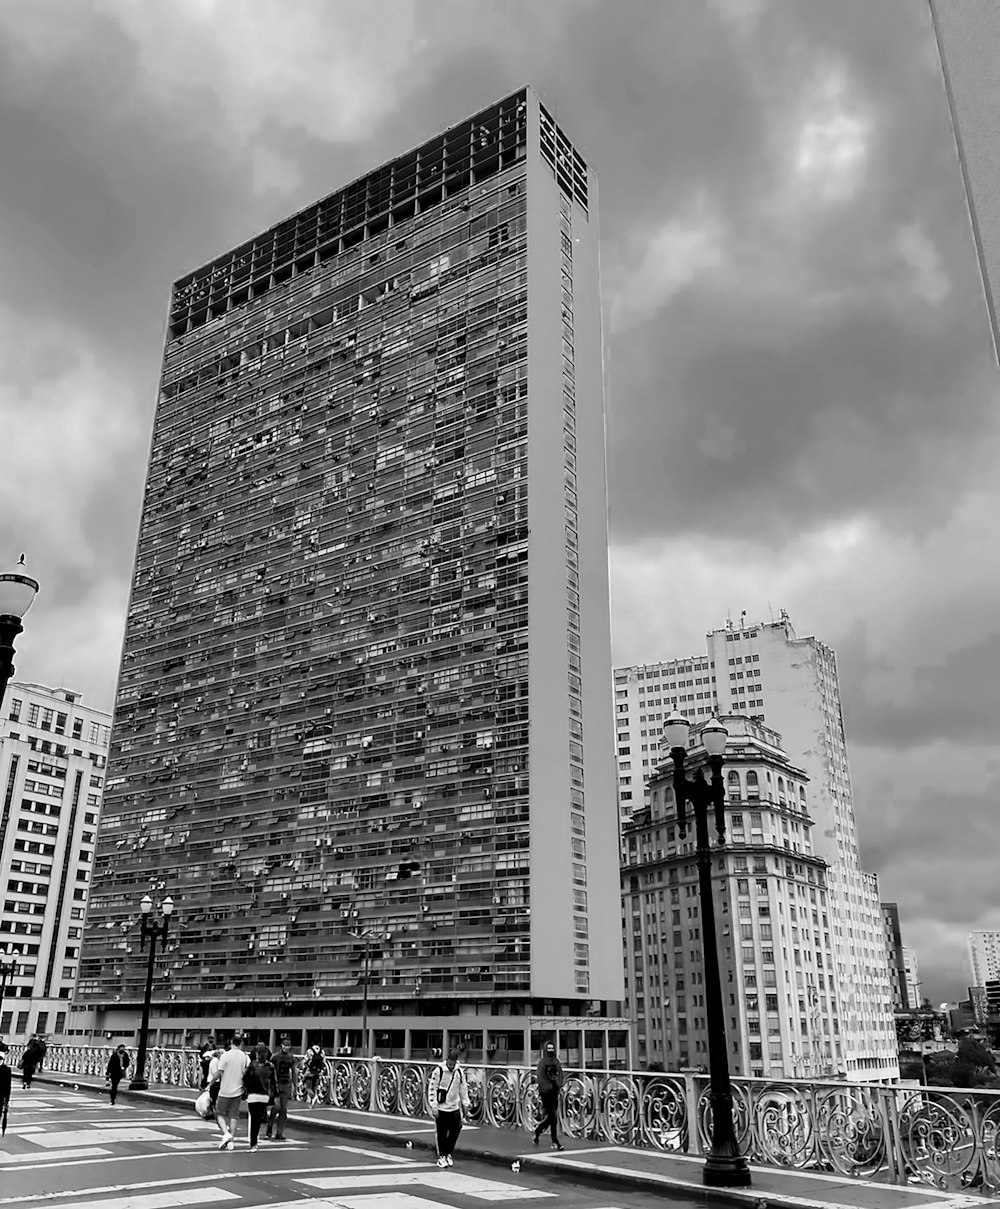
231, 1068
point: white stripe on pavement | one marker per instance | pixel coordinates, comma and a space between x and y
370, 1200
87, 1152
160, 1200
449, 1180
128, 1133
373, 1154
253, 1172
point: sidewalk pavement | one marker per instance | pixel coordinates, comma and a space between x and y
584, 1161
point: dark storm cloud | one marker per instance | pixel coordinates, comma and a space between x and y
867, 406
953, 692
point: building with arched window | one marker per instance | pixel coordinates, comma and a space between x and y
773, 920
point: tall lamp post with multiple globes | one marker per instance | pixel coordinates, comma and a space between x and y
17, 591
725, 1166
152, 931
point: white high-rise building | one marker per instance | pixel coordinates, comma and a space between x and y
984, 957
789, 684
53, 751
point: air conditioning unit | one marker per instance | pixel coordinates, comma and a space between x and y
345, 1051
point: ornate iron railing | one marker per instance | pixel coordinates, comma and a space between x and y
948, 1138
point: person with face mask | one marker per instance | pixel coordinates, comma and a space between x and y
550, 1077
448, 1095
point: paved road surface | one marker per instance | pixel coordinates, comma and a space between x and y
66, 1149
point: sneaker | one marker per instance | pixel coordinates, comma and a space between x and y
534, 1139
558, 1146
227, 1140
229, 1144
442, 1161
254, 1149
279, 1137
449, 1160
268, 1135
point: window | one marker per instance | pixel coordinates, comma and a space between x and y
77, 728
15, 709
32, 715
47, 716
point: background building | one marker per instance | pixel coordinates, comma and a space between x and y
789, 684
984, 956
772, 916
911, 977
364, 679
53, 751
897, 960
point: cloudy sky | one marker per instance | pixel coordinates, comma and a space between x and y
802, 396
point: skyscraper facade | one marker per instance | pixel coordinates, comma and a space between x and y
772, 918
53, 751
363, 696
791, 685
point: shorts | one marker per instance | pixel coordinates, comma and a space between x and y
228, 1106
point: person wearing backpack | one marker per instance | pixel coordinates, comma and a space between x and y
259, 1084
448, 1093
284, 1074
314, 1065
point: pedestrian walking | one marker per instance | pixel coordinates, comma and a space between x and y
314, 1065
284, 1074
550, 1076
214, 1077
5, 1082
117, 1066
207, 1054
31, 1060
448, 1093
259, 1082
232, 1068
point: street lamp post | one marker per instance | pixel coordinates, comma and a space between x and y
724, 1167
8, 970
153, 932
17, 591
367, 936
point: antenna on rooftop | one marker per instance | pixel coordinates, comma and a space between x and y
770, 612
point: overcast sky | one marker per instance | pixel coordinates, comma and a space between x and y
802, 400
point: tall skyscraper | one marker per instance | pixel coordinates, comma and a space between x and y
363, 698
789, 684
53, 751
772, 918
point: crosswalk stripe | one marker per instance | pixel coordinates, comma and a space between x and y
369, 1200
448, 1180
127, 1133
51, 1156
373, 1154
160, 1200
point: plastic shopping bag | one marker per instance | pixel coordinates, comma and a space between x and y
203, 1105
